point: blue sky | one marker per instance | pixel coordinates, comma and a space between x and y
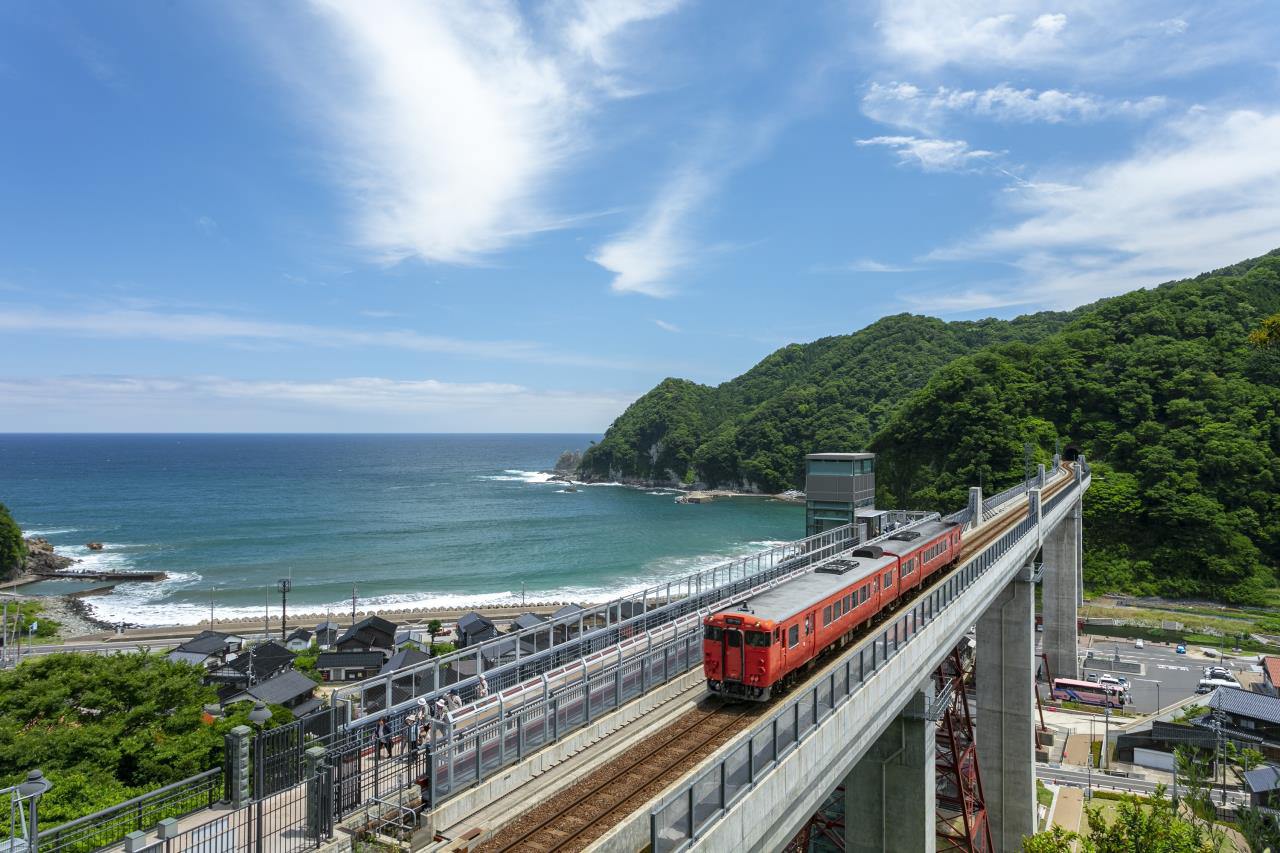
487, 216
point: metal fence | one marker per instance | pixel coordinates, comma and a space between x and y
558, 641
695, 805
300, 818
109, 826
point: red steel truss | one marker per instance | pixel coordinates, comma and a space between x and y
825, 830
961, 810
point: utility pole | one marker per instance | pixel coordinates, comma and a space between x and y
211, 608
353, 605
286, 584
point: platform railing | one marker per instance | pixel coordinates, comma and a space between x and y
688, 811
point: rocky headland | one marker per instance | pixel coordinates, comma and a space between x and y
41, 558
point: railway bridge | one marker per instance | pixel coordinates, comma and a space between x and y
594, 729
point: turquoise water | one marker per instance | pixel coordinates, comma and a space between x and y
411, 520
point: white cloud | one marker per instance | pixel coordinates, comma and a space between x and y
113, 403
931, 155
208, 225
593, 27
906, 105
450, 119
1090, 37
154, 325
1202, 192
666, 327
646, 257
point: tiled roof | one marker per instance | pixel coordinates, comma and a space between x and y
1271, 666
283, 687
206, 642
400, 660
1264, 778
350, 660
1244, 703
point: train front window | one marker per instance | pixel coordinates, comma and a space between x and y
713, 633
758, 638
733, 638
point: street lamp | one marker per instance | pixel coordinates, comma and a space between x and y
285, 585
33, 788
1106, 737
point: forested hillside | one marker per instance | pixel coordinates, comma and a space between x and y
1174, 393
1164, 390
753, 431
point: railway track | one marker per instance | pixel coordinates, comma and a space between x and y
571, 819
574, 818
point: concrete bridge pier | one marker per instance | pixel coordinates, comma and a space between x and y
889, 795
1061, 594
1006, 707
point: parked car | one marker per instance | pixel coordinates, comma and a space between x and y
1181, 649
1137, 644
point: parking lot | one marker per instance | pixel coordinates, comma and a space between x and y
1166, 676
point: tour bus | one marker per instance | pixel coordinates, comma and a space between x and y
1088, 693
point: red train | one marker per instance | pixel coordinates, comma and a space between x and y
766, 640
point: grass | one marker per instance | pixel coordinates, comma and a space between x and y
1045, 798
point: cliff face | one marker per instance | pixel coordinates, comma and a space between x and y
40, 557
751, 433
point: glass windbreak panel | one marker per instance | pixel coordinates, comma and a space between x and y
831, 466
713, 633
758, 638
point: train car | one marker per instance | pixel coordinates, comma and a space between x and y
765, 640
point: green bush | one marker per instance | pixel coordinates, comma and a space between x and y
13, 550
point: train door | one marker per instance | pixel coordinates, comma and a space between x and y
732, 654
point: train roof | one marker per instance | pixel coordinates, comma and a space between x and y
927, 531
804, 592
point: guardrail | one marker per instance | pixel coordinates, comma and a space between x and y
683, 815
110, 826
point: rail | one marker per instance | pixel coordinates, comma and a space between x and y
687, 812
110, 825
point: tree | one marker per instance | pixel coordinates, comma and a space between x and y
13, 550
1152, 825
1267, 335
434, 627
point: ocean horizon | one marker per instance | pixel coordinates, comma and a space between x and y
419, 520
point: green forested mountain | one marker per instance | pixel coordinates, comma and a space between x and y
1161, 388
753, 431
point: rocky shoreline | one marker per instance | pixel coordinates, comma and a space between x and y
41, 557
566, 470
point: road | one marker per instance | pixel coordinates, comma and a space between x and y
1178, 675
1081, 778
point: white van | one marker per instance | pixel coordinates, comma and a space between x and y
1137, 644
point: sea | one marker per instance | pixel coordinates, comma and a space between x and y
397, 520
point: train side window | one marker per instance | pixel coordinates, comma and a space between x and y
758, 638
777, 635
793, 636
808, 625
888, 579
826, 615
713, 633
866, 593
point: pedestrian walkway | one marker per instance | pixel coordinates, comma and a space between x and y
1076, 751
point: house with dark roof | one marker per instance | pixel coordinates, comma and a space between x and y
569, 628
474, 628
403, 658
1263, 785
327, 633
253, 666
373, 633
299, 640
535, 641
1253, 718
210, 649
1271, 676
290, 688
349, 666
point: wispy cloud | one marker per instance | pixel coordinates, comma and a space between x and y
667, 327
907, 105
1201, 192
863, 265
208, 225
645, 258
451, 118
154, 325
1090, 38
112, 401
932, 155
